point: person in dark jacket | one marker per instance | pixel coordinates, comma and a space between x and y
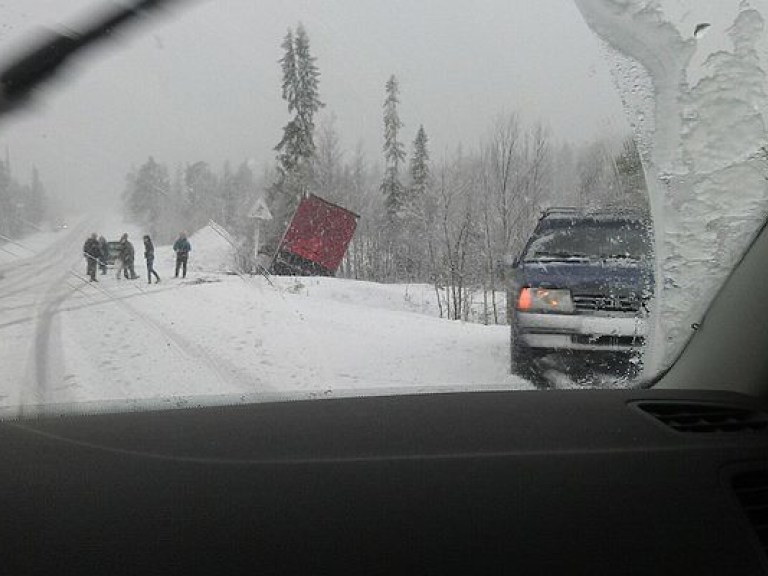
92, 254
125, 259
128, 257
149, 255
182, 247
104, 254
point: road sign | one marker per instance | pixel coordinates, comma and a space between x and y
260, 211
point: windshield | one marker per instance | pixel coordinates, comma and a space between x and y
589, 239
222, 202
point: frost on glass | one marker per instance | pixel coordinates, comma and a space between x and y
692, 78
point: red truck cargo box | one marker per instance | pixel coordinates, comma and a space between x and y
320, 232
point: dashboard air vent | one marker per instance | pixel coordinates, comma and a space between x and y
706, 418
751, 490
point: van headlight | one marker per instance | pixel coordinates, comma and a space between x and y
545, 300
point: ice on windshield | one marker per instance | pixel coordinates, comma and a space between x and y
692, 76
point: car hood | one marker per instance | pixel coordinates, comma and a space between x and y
598, 276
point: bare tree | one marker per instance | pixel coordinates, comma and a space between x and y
515, 175
454, 248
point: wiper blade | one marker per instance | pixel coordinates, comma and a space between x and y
556, 256
619, 257
41, 62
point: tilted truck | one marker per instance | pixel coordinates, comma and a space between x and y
316, 239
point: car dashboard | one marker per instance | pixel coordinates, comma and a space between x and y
577, 482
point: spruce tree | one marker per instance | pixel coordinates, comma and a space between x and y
144, 194
394, 153
307, 88
296, 149
201, 188
419, 172
300, 89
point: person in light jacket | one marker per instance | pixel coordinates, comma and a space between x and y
104, 254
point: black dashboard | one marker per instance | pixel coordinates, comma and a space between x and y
556, 482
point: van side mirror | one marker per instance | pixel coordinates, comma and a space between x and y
509, 261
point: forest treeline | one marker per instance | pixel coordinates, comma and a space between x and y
450, 220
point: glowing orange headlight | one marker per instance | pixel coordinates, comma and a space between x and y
545, 300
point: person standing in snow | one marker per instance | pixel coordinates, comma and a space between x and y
120, 261
92, 254
182, 248
128, 257
125, 259
149, 255
104, 254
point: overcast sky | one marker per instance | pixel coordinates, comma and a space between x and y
204, 84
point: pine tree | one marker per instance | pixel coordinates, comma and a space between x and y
307, 87
300, 90
394, 152
201, 187
418, 170
296, 149
144, 193
288, 146
288, 65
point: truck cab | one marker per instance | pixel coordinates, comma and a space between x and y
579, 294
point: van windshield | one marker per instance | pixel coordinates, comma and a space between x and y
591, 238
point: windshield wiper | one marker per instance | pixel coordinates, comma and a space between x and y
618, 257
41, 62
556, 256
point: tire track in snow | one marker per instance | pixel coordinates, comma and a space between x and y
24, 276
43, 354
225, 372
56, 292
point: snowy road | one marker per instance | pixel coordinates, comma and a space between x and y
33, 286
66, 340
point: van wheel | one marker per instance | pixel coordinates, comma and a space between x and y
522, 363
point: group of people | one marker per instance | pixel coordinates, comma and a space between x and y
96, 252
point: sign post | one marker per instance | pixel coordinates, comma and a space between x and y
259, 213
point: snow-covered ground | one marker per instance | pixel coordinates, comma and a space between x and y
217, 335
15, 251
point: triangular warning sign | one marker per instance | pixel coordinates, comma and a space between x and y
259, 210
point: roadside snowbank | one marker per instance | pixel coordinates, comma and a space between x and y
416, 298
225, 335
210, 254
